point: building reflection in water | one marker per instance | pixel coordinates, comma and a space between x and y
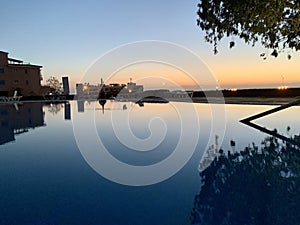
55, 107
18, 119
80, 106
102, 102
81, 103
67, 111
254, 186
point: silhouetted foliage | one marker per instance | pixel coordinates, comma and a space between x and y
55, 85
255, 186
274, 23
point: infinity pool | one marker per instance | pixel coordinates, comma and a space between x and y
119, 163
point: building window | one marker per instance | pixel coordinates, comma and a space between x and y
16, 81
1, 70
27, 82
2, 82
16, 70
26, 71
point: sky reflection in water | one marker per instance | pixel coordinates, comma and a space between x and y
45, 180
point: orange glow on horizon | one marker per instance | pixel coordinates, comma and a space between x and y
154, 75
257, 72
231, 72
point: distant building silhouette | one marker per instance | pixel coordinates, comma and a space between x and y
133, 87
65, 82
18, 76
88, 91
126, 92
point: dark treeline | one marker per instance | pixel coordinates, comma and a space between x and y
267, 93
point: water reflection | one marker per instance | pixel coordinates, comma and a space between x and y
102, 102
18, 120
38, 182
67, 111
255, 186
54, 108
80, 106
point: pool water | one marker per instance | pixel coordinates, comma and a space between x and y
80, 163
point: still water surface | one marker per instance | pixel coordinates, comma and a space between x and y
45, 177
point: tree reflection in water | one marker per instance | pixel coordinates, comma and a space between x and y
54, 108
255, 186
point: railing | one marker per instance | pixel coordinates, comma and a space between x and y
14, 98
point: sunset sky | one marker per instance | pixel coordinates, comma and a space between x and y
66, 37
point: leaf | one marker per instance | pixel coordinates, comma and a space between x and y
274, 53
273, 23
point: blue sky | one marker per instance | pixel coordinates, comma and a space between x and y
67, 36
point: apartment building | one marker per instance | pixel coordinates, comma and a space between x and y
15, 75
